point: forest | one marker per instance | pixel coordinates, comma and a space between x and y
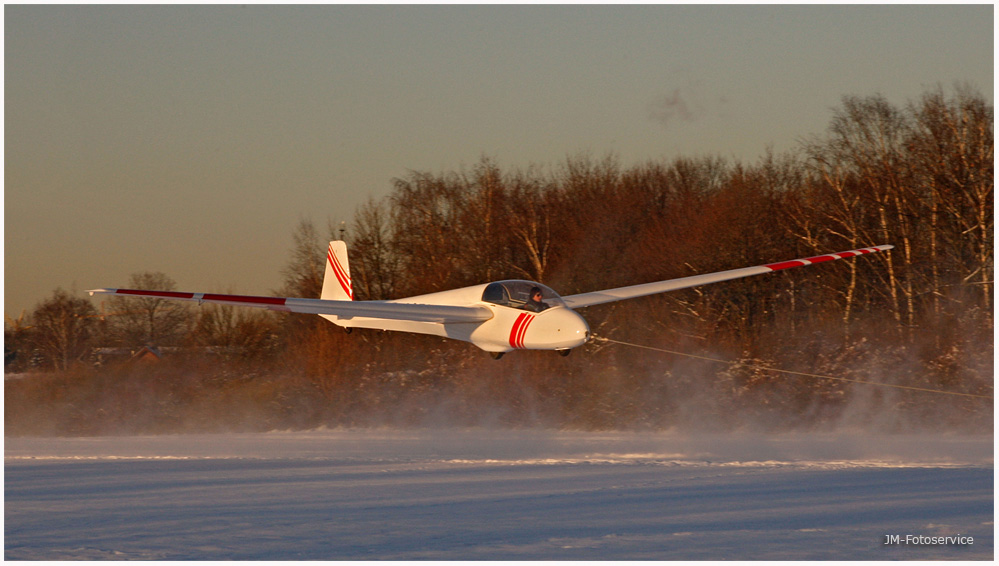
897, 341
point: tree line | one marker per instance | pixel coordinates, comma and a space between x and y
920, 177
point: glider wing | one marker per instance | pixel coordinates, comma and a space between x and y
620, 293
344, 309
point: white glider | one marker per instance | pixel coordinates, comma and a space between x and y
497, 317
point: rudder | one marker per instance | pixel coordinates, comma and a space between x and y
336, 283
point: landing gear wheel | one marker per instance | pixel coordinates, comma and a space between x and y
565, 352
496, 355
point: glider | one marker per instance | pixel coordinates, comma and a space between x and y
497, 317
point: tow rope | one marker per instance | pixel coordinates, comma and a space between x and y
799, 373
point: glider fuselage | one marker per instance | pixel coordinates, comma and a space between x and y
511, 325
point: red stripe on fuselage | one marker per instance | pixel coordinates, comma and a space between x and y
519, 330
515, 329
518, 341
523, 330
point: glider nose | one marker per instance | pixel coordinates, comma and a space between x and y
557, 329
579, 330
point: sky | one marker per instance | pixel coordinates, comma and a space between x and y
192, 140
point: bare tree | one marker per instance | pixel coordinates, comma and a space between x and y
63, 328
142, 321
303, 275
952, 149
374, 265
860, 168
530, 223
483, 215
426, 212
236, 332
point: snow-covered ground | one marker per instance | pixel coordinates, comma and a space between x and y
498, 494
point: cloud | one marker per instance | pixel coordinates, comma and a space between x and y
686, 103
675, 106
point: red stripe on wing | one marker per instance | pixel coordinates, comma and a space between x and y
786, 264
819, 259
245, 300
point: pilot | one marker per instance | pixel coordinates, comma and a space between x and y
535, 303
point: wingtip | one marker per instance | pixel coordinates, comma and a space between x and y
92, 292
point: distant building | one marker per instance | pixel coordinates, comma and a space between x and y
146, 355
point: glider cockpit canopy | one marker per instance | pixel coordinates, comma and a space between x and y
515, 293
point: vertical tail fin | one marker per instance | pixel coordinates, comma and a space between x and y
336, 282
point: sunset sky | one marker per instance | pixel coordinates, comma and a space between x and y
192, 139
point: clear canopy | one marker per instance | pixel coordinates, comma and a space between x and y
518, 294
